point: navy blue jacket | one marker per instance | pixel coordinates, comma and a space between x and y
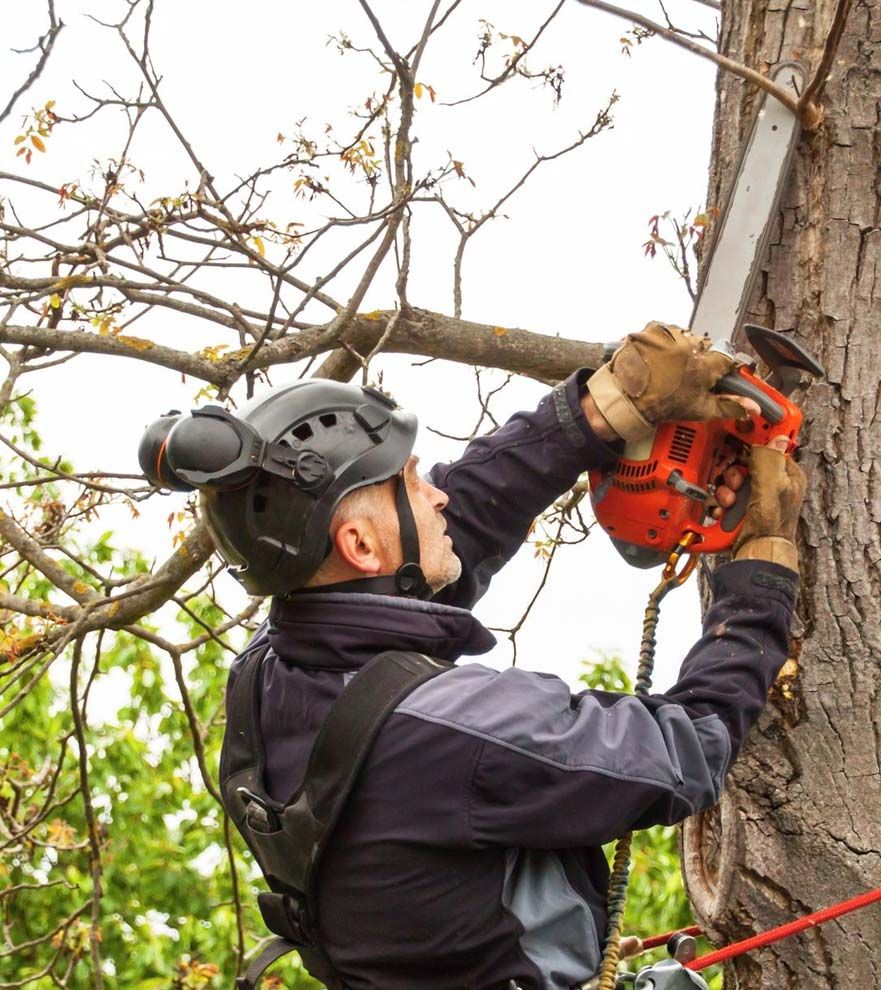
469, 852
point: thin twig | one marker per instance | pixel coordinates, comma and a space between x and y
815, 87
96, 868
512, 66
45, 44
735, 68
236, 893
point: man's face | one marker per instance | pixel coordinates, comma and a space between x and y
367, 536
439, 564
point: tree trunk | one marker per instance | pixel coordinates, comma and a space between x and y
799, 826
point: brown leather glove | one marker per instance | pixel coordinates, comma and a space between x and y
662, 373
777, 489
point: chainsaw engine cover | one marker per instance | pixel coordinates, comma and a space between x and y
657, 491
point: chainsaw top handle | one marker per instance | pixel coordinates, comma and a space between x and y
737, 384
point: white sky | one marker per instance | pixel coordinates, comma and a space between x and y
567, 261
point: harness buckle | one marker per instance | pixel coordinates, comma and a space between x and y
262, 816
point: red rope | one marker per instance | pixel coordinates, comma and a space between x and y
656, 940
783, 931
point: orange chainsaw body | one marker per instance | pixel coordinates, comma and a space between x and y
652, 502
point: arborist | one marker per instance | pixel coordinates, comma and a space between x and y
425, 823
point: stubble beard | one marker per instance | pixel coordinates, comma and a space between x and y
449, 571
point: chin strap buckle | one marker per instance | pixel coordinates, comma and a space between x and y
410, 581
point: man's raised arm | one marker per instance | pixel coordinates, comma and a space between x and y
503, 481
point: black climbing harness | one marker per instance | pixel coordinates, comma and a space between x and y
288, 838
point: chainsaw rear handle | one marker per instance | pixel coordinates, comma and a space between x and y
733, 516
737, 384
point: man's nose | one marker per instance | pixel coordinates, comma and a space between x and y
438, 498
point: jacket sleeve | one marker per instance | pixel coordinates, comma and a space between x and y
556, 770
503, 481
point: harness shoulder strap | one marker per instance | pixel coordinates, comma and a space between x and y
288, 840
241, 755
344, 740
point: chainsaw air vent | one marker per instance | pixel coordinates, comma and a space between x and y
635, 487
635, 469
680, 446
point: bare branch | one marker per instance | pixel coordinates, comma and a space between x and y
696, 35
394, 57
423, 41
96, 868
440, 23
735, 68
45, 45
512, 67
814, 89
118, 346
545, 356
603, 120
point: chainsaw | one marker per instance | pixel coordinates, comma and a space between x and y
658, 494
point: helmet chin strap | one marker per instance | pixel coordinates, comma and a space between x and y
409, 579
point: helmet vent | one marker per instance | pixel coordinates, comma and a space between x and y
302, 432
327, 419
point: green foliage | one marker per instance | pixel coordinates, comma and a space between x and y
167, 914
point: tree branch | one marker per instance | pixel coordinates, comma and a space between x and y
815, 87
45, 44
31, 551
511, 67
545, 356
735, 68
96, 868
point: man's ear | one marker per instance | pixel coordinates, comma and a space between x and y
357, 545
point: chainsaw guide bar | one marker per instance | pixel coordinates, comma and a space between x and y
660, 488
740, 241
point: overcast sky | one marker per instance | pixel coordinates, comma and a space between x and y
567, 259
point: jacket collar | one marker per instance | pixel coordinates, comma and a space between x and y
343, 631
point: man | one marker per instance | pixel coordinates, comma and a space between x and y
468, 852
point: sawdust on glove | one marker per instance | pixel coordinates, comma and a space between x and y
659, 375
777, 489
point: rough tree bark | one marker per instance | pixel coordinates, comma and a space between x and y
799, 826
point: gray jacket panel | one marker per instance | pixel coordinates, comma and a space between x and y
559, 934
534, 716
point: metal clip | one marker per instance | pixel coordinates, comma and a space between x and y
668, 975
670, 567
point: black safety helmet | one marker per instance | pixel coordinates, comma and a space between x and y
272, 476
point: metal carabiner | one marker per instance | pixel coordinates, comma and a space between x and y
670, 573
